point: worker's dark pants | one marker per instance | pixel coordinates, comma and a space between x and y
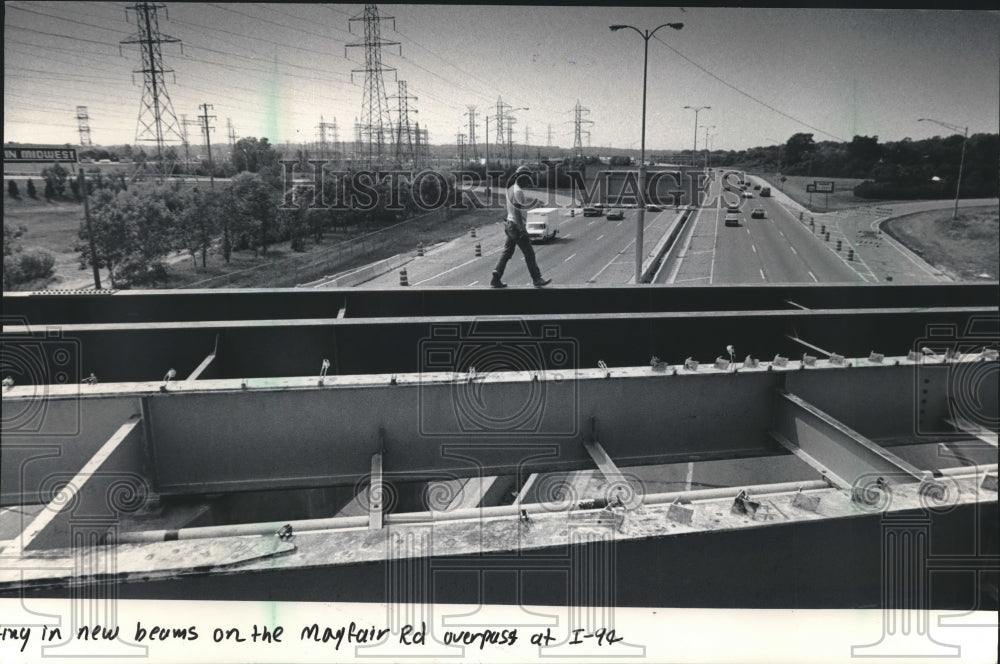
515, 238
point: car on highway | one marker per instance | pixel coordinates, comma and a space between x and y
758, 213
593, 211
733, 209
654, 208
732, 219
747, 194
616, 215
756, 187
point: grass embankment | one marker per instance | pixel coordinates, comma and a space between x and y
842, 198
968, 248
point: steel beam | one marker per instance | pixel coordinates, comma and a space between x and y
840, 453
973, 429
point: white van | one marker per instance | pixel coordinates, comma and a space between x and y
541, 224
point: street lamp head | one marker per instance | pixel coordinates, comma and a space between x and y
617, 27
675, 26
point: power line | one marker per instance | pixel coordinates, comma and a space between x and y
747, 94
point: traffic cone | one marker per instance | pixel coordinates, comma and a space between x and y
402, 278
472, 232
850, 254
479, 249
420, 249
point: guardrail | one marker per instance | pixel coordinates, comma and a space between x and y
653, 260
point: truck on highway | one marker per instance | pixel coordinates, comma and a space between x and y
541, 224
765, 192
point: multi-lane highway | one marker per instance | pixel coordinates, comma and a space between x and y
776, 249
587, 250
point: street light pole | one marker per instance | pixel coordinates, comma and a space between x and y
640, 219
707, 149
961, 161
696, 110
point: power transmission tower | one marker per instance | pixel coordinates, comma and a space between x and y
206, 128
500, 116
548, 143
510, 137
375, 114
358, 142
232, 135
336, 138
460, 142
157, 121
83, 123
185, 123
527, 139
404, 135
578, 121
472, 133
322, 127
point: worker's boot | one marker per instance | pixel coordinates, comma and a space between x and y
541, 281
495, 281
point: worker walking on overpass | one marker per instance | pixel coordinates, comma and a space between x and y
516, 232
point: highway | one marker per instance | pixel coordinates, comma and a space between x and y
587, 250
776, 249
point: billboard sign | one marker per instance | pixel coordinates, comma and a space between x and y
35, 154
824, 186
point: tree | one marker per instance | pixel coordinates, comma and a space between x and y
797, 146
252, 154
249, 210
132, 233
31, 189
55, 181
197, 223
12, 189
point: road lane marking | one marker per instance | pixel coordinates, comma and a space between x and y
762, 274
599, 237
591, 222
452, 269
793, 249
754, 247
568, 258
618, 224
613, 260
715, 241
781, 234
812, 275
565, 236
474, 282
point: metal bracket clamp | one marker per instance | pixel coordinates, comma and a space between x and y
808, 360
721, 363
750, 363
805, 501
656, 365
691, 364
779, 361
604, 367
837, 360
876, 358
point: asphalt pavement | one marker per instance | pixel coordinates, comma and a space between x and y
587, 250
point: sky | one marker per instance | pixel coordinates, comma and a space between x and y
274, 69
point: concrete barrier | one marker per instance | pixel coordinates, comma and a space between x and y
652, 260
362, 274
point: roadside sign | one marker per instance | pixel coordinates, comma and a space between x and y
810, 188
34, 154
823, 186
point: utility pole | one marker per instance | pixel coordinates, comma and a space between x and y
90, 230
156, 113
205, 127
232, 134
